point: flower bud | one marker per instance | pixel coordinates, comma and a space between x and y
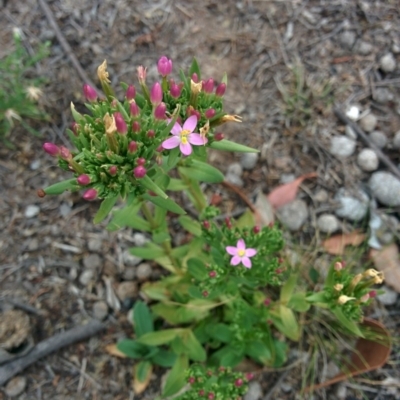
141, 161
338, 287
90, 194
238, 382
150, 134
220, 90
210, 113
160, 148
136, 126
65, 154
256, 229
159, 112
343, 299
132, 147
205, 293
113, 170
195, 77
41, 193
130, 92
208, 85
164, 66
218, 136
206, 225
365, 298
156, 94
228, 223
212, 274
192, 111
338, 266
52, 149
120, 123
141, 73
139, 172
249, 376
267, 302
191, 380
134, 109
74, 128
89, 93
372, 294
83, 179
175, 90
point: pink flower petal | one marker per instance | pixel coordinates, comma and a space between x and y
196, 139
176, 129
250, 252
246, 262
236, 260
241, 245
171, 142
190, 123
186, 149
231, 250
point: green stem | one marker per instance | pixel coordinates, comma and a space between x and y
196, 194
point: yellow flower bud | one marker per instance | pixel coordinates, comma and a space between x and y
378, 279
195, 88
338, 287
354, 282
102, 72
371, 273
343, 299
233, 118
109, 123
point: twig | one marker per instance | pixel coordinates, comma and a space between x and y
49, 346
342, 117
240, 194
65, 45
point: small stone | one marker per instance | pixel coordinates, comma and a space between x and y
16, 386
286, 387
31, 211
349, 131
286, 178
364, 48
249, 160
353, 113
33, 244
389, 297
100, 310
95, 244
388, 62
347, 39
353, 204
254, 392
342, 146
86, 276
129, 273
143, 271
92, 261
321, 196
235, 169
332, 370
129, 259
368, 122
328, 223
294, 214
65, 209
367, 160
341, 391
127, 290
234, 179
395, 48
35, 164
310, 17
396, 140
382, 95
378, 138
139, 239
386, 188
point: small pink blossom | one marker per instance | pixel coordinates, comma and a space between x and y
184, 137
241, 254
164, 66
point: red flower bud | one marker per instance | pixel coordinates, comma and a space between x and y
141, 161
267, 302
195, 77
249, 376
192, 380
220, 90
211, 396
256, 229
139, 172
132, 146
136, 126
175, 90
134, 109
372, 294
130, 92
164, 66
239, 382
141, 75
156, 94
120, 123
160, 148
52, 149
113, 170
210, 113
90, 194
150, 134
159, 112
89, 93
205, 293
65, 154
74, 128
218, 136
208, 85
206, 225
83, 179
212, 274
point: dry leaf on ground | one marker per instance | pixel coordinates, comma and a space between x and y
387, 261
336, 244
265, 212
286, 193
113, 350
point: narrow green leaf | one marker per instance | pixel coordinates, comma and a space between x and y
104, 209
195, 69
247, 220
159, 337
202, 172
227, 145
287, 288
190, 225
176, 185
194, 349
299, 303
150, 252
167, 204
288, 324
171, 123
220, 332
259, 351
197, 269
164, 358
142, 318
176, 378
347, 323
142, 371
61, 187
123, 111
160, 237
150, 185
131, 348
225, 79
173, 157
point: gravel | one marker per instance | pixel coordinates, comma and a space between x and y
368, 122
92, 261
349, 131
388, 62
328, 223
86, 276
32, 211
386, 188
389, 297
248, 160
364, 48
100, 310
353, 204
396, 140
127, 290
353, 113
382, 95
368, 160
16, 386
378, 138
140, 239
95, 244
254, 392
129, 259
342, 146
235, 169
293, 215
234, 179
143, 271
347, 39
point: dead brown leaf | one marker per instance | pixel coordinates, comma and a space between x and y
265, 213
336, 244
387, 261
286, 193
113, 350
140, 386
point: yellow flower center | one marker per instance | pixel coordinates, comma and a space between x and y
184, 133
241, 252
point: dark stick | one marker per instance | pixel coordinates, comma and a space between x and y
49, 346
385, 159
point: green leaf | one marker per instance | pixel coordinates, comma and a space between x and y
314, 275
225, 79
160, 237
164, 358
258, 351
132, 348
195, 69
319, 297
150, 252
227, 145
159, 337
176, 378
220, 332
150, 185
167, 204
347, 323
174, 156
299, 303
194, 349
287, 324
104, 209
247, 220
128, 217
142, 318
232, 358
61, 187
202, 172
142, 371
176, 185
197, 269
287, 288
190, 225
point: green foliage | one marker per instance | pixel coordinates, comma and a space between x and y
18, 91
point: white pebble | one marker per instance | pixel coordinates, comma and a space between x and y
254, 392
368, 160
388, 62
249, 160
234, 179
31, 211
100, 310
396, 140
35, 164
139, 239
386, 188
342, 146
378, 138
16, 386
347, 39
293, 215
364, 48
389, 297
86, 276
235, 169
353, 204
129, 259
382, 95
353, 113
368, 122
143, 271
328, 223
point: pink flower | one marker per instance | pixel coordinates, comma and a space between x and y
184, 137
89, 92
164, 66
156, 94
241, 254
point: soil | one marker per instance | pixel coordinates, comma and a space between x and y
262, 46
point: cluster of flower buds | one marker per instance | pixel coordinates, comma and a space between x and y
121, 143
